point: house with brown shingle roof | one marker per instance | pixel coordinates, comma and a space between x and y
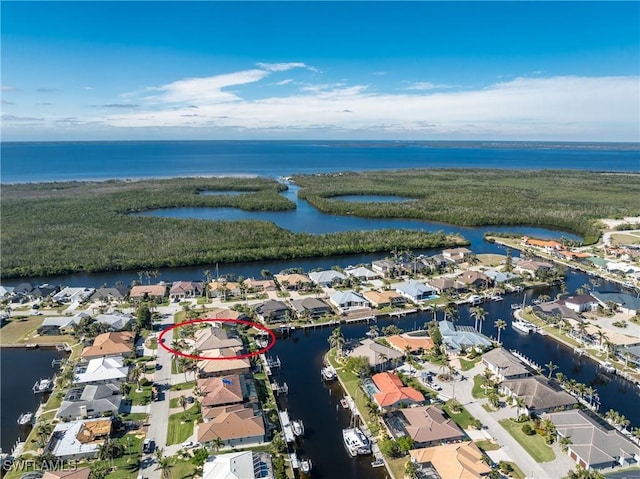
457, 255
208, 368
260, 285
214, 337
474, 279
236, 425
80, 473
142, 292
221, 391
461, 460
444, 283
393, 393
226, 313
540, 394
426, 425
119, 343
224, 289
185, 289
383, 299
293, 281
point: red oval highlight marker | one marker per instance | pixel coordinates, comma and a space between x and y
219, 320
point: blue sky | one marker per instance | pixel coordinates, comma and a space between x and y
362, 70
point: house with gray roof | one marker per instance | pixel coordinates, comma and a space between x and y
457, 338
118, 292
56, 325
384, 267
348, 300
361, 273
327, 278
426, 425
414, 290
499, 277
505, 365
540, 394
312, 308
444, 283
115, 321
626, 303
92, 400
380, 357
73, 295
594, 443
629, 354
272, 311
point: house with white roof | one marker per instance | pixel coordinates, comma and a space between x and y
60, 324
361, 273
348, 301
79, 439
70, 295
457, 338
115, 321
414, 290
327, 278
238, 465
101, 370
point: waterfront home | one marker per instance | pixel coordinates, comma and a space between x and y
259, 285
236, 425
505, 365
499, 277
471, 279
78, 439
457, 460
223, 390
624, 302
384, 267
445, 284
458, 338
73, 295
273, 311
361, 273
540, 394
380, 357
384, 299
555, 309
410, 341
425, 425
233, 365
56, 325
392, 393
593, 443
613, 338
415, 291
293, 281
101, 370
185, 289
226, 313
44, 291
117, 293
75, 473
348, 301
115, 321
311, 308
630, 355
6, 291
327, 278
239, 465
547, 245
531, 268
223, 289
214, 337
145, 292
91, 400
581, 303
118, 343
457, 255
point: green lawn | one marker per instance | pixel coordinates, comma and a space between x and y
487, 445
466, 364
179, 431
182, 470
182, 386
462, 419
126, 467
398, 466
477, 391
140, 398
351, 383
534, 444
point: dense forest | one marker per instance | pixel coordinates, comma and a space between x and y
562, 199
59, 228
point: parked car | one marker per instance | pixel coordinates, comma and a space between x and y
190, 444
148, 446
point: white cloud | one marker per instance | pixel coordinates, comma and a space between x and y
7, 88
425, 85
284, 82
281, 67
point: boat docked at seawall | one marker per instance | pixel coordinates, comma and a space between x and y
25, 419
523, 326
328, 373
297, 427
43, 386
608, 368
356, 442
306, 466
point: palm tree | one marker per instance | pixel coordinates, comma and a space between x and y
217, 443
165, 464
520, 404
411, 470
500, 324
182, 402
602, 337
99, 470
479, 314
450, 311
551, 368
374, 331
564, 443
336, 340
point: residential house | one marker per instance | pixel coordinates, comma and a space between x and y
101, 370
412, 341
117, 293
78, 439
145, 292
236, 425
348, 301
226, 313
260, 285
457, 255
593, 443
540, 394
380, 357
444, 284
56, 325
222, 391
554, 309
505, 365
581, 303
91, 400
630, 355
462, 460
73, 473
224, 289
115, 321
185, 289
312, 308
327, 278
500, 277
415, 291
384, 299
458, 338
239, 465
118, 343
293, 281
384, 267
361, 273
471, 279
273, 311
44, 291
624, 302
73, 295
6, 291
392, 394
425, 425
214, 337
548, 245
531, 268
208, 368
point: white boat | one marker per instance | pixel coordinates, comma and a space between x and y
329, 373
496, 297
475, 299
25, 418
43, 386
298, 427
356, 442
305, 466
523, 326
607, 367
377, 463
344, 403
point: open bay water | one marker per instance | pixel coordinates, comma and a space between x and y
309, 399
60, 161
